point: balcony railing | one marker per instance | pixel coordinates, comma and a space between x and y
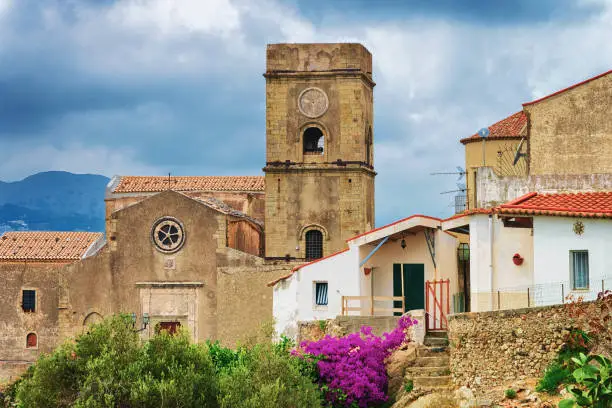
367, 305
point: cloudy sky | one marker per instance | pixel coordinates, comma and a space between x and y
152, 86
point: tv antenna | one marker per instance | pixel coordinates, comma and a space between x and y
460, 171
518, 154
461, 188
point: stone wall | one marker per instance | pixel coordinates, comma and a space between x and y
342, 325
571, 132
491, 348
492, 190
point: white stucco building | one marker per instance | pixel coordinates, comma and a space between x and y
366, 278
538, 249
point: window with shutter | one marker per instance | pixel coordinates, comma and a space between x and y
579, 269
31, 340
321, 293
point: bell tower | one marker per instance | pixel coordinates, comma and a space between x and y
319, 148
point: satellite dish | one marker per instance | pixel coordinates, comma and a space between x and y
518, 153
484, 133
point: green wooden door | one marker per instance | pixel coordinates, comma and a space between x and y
414, 286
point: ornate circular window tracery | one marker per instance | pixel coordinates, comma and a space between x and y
168, 234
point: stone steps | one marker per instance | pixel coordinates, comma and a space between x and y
428, 371
435, 341
431, 382
432, 362
432, 351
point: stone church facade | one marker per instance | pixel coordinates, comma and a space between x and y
197, 252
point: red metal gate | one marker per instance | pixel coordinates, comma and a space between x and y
437, 304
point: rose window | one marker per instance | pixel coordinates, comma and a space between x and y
168, 234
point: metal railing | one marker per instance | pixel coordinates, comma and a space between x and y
554, 293
367, 305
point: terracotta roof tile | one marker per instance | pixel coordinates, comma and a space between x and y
587, 205
46, 245
151, 184
514, 126
222, 207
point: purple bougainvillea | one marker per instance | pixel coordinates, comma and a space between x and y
352, 368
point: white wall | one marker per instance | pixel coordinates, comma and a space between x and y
294, 298
492, 269
284, 310
553, 239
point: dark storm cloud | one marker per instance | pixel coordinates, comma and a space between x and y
481, 12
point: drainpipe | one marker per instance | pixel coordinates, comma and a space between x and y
491, 256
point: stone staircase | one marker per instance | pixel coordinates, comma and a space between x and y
431, 369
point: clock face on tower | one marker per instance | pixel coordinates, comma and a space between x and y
313, 102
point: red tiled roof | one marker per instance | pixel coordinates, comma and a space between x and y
568, 88
588, 205
151, 184
297, 268
513, 127
46, 245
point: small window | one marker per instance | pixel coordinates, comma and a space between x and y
314, 244
321, 293
171, 327
28, 301
313, 141
579, 269
31, 340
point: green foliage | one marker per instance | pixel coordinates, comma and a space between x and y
222, 357
560, 370
322, 325
510, 393
108, 367
555, 375
409, 386
594, 379
267, 376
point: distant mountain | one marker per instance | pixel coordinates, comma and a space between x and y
53, 200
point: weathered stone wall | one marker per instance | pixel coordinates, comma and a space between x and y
15, 324
490, 348
492, 190
305, 190
250, 203
244, 301
571, 133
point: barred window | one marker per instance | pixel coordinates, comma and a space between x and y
314, 244
321, 293
28, 300
579, 265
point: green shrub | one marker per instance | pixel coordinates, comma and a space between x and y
263, 377
108, 367
555, 375
595, 383
510, 393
